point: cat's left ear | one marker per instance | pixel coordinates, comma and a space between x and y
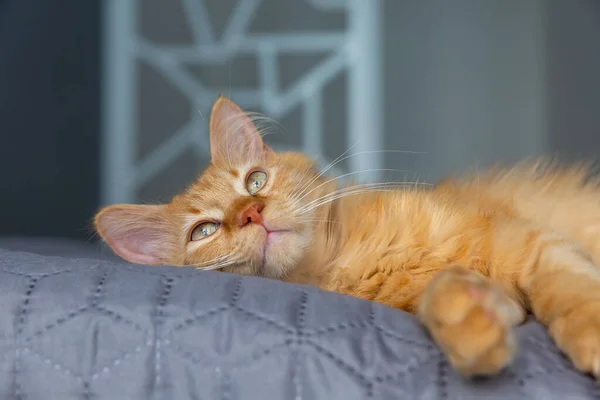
233, 136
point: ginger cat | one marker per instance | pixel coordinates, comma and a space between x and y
469, 256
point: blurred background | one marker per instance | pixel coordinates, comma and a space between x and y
108, 101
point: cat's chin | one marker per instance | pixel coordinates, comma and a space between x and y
281, 252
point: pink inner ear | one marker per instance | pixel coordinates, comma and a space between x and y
137, 233
136, 248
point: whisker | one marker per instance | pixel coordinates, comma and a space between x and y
320, 220
217, 266
327, 168
337, 161
218, 259
343, 157
356, 189
342, 195
257, 118
345, 175
359, 190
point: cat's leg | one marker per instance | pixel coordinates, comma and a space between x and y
563, 287
471, 318
560, 281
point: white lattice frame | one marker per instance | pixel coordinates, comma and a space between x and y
356, 50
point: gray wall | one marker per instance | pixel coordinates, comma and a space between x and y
573, 59
468, 82
49, 117
464, 81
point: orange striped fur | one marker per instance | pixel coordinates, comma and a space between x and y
469, 256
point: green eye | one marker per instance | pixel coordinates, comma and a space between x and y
203, 230
256, 181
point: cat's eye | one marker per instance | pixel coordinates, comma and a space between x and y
203, 230
255, 182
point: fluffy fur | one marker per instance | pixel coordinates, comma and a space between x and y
470, 256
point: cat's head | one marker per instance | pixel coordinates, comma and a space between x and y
249, 210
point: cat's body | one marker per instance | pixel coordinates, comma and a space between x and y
409, 234
469, 256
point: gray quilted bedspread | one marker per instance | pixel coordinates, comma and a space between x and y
84, 328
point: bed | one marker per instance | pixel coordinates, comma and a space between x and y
78, 323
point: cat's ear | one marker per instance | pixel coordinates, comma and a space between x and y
138, 233
233, 136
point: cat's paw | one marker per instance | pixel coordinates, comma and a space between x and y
472, 319
578, 335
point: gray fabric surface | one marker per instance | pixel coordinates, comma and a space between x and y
85, 328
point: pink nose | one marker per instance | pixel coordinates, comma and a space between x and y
250, 215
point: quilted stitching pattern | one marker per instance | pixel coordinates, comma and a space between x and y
74, 328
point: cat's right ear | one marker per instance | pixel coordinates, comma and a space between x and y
234, 138
138, 233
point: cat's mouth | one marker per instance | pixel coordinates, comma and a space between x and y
272, 238
273, 235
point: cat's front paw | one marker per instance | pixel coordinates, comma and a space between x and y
472, 319
578, 335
